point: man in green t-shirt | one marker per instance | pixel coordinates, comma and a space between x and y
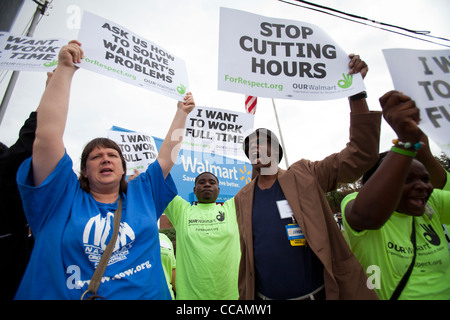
208, 251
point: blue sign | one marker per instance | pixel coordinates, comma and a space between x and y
233, 174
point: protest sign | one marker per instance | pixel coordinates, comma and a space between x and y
21, 53
217, 131
233, 174
424, 75
139, 149
117, 52
277, 58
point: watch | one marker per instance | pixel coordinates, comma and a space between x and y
358, 96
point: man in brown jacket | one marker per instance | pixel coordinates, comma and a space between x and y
290, 243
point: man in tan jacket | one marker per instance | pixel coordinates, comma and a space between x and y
290, 243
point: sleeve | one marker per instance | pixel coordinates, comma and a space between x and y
359, 155
440, 202
242, 275
12, 219
162, 190
230, 206
43, 203
12, 158
349, 233
447, 184
175, 209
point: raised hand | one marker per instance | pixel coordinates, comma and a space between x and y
402, 114
357, 65
70, 54
188, 104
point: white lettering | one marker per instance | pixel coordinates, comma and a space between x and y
73, 280
373, 281
199, 167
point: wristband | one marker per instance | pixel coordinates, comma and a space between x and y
408, 145
358, 96
404, 152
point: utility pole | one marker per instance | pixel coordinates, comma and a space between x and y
281, 135
40, 10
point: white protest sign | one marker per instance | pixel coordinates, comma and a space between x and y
424, 75
277, 58
22, 53
217, 131
139, 149
117, 52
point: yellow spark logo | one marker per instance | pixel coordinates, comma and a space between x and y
246, 175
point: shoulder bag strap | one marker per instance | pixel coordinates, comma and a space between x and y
101, 267
405, 278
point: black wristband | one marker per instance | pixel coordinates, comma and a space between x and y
358, 96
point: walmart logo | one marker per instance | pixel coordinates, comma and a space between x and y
247, 175
225, 171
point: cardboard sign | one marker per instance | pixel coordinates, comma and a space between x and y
22, 53
139, 149
424, 75
233, 174
277, 58
218, 131
117, 52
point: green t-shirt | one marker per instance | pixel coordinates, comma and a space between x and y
386, 253
167, 259
208, 250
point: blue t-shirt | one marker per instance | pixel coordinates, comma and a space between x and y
72, 229
282, 271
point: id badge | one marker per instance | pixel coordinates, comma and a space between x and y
295, 235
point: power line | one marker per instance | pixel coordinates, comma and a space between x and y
321, 9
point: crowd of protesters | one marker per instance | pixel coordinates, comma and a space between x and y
276, 239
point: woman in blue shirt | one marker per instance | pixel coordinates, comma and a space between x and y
71, 218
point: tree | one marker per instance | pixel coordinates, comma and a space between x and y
444, 160
172, 235
335, 197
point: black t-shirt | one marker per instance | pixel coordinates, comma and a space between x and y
282, 271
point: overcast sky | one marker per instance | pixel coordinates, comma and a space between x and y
190, 30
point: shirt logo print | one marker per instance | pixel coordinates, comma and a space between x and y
96, 233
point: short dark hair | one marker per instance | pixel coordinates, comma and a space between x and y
271, 137
196, 178
103, 143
